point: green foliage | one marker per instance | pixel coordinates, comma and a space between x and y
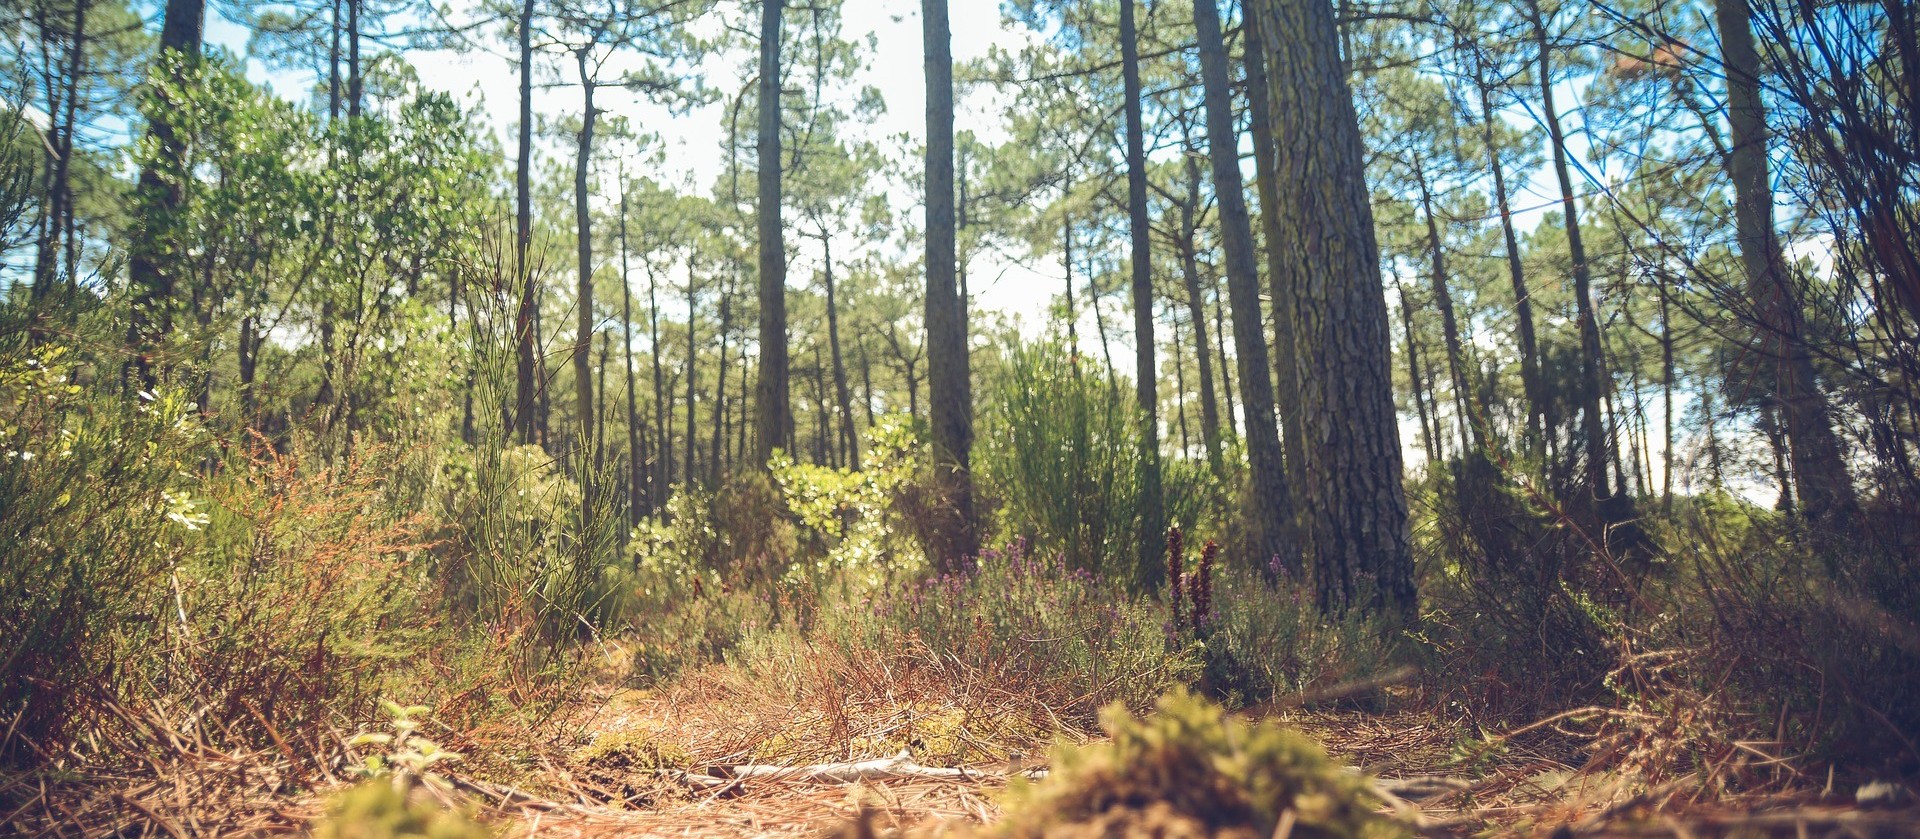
98, 503
408, 757
1190, 769
1061, 451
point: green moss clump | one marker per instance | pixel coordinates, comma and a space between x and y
1190, 770
631, 749
375, 810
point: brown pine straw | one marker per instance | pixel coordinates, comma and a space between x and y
1674, 764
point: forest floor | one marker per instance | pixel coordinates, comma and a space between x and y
635, 762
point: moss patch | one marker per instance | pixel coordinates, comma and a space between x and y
631, 750
1190, 770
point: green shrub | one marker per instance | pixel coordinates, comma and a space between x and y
1060, 450
98, 505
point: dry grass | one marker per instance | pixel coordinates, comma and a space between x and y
1673, 763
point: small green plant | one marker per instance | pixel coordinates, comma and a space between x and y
407, 757
1190, 769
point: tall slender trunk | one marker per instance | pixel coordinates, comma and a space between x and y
950, 387
774, 408
1469, 417
1353, 507
1149, 567
524, 315
1666, 395
866, 378
1537, 402
693, 375
715, 468
1180, 392
355, 88
850, 445
1286, 362
825, 453
158, 202
638, 501
1417, 386
583, 294
1196, 311
661, 483
1614, 510
1826, 490
1220, 347
1270, 505
1073, 314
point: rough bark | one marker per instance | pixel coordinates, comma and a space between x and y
773, 410
1353, 506
949, 385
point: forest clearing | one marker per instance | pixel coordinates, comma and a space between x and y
1269, 419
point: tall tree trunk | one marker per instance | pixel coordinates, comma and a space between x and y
1149, 566
1666, 395
1180, 391
693, 375
1531, 386
158, 201
1196, 311
638, 501
1614, 510
1417, 386
825, 453
523, 317
774, 425
715, 463
1469, 417
1270, 508
1073, 314
661, 482
1286, 363
355, 88
950, 387
583, 294
1220, 349
850, 445
866, 378
1826, 490
1353, 505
